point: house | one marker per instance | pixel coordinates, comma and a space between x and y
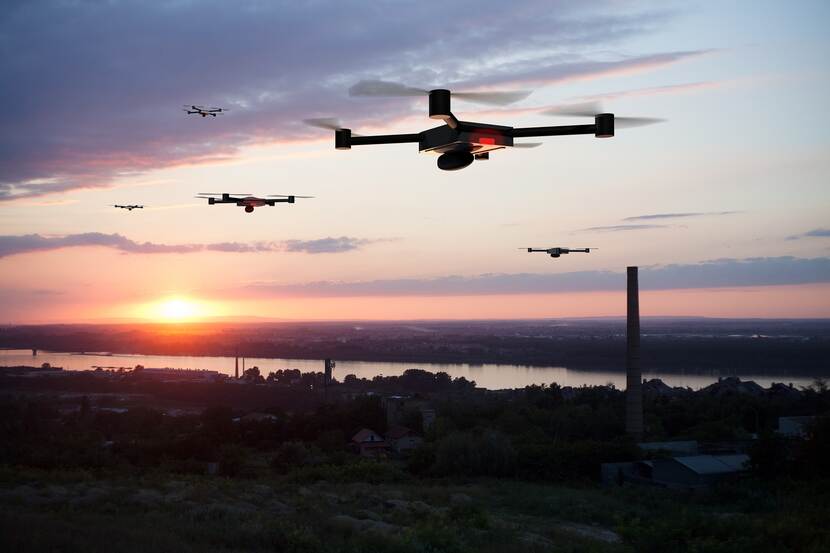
696, 471
369, 443
681, 472
402, 440
794, 427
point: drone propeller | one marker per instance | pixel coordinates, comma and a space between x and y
329, 123
389, 89
286, 196
221, 193
526, 144
591, 109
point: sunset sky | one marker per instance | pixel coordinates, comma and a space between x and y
725, 206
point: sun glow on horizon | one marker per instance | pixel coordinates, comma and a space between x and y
178, 309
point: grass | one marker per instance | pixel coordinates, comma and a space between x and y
368, 507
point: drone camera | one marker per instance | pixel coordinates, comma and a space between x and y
605, 125
343, 139
439, 104
452, 161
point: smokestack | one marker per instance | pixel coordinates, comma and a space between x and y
633, 373
236, 371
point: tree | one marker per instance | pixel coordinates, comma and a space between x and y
253, 375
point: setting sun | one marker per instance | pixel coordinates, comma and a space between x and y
177, 309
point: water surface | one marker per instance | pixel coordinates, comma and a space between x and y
490, 376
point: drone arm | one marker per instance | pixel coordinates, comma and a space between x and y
343, 139
384, 139
603, 127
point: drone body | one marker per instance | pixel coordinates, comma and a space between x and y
248, 201
204, 111
459, 143
558, 252
129, 207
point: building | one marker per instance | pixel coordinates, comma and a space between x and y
793, 427
369, 443
696, 471
402, 440
688, 472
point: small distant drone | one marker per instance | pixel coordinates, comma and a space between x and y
557, 252
129, 207
459, 143
247, 201
204, 111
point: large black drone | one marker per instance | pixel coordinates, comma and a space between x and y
557, 252
248, 201
459, 143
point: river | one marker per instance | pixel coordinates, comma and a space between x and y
490, 376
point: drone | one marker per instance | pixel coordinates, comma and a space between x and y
129, 207
557, 252
459, 143
203, 111
247, 201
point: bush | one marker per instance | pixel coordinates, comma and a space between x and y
487, 454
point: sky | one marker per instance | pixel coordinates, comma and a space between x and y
725, 206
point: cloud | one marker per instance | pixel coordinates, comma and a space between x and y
110, 102
30, 243
679, 215
653, 91
621, 228
326, 245
815, 233
720, 273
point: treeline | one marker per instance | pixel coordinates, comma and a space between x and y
601, 346
537, 433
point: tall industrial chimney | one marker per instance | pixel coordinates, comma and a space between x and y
633, 373
236, 371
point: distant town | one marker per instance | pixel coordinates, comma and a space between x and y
681, 344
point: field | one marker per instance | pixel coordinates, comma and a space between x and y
374, 507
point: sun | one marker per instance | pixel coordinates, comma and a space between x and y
177, 309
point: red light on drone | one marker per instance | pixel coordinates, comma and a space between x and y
487, 140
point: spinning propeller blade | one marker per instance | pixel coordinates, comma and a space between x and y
286, 196
591, 109
388, 89
329, 123
526, 144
